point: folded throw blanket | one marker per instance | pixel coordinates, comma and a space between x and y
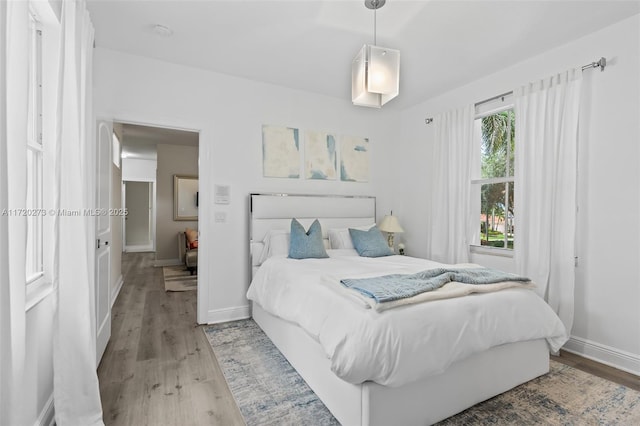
388, 288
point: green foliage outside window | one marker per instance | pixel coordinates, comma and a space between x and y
497, 153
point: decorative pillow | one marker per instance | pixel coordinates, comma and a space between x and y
192, 238
276, 243
307, 244
339, 238
370, 243
192, 235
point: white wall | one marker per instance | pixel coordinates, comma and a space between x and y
38, 380
229, 113
137, 169
607, 295
172, 160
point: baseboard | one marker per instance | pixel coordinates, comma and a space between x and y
603, 354
138, 249
47, 415
116, 290
167, 262
228, 314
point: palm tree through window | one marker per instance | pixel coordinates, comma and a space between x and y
497, 139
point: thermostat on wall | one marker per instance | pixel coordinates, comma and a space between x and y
222, 194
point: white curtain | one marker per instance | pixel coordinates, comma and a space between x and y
545, 182
76, 391
456, 161
14, 90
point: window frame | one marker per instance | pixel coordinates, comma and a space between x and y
500, 104
35, 159
46, 20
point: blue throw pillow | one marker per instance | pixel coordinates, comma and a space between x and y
370, 243
307, 244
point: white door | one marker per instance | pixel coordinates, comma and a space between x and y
103, 237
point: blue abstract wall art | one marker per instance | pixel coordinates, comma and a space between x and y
321, 160
280, 152
354, 159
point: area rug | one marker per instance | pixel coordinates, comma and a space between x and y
564, 396
266, 387
269, 391
178, 278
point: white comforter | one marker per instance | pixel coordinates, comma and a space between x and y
404, 344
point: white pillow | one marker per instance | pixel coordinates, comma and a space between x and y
276, 243
339, 238
342, 253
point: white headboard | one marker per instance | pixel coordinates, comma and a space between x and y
275, 211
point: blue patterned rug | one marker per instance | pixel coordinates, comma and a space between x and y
269, 391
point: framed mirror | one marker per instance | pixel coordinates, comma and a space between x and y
185, 197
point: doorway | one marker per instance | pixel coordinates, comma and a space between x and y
139, 228
152, 156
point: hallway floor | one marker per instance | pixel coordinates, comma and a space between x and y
158, 368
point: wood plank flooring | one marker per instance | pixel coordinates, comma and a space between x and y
597, 369
158, 368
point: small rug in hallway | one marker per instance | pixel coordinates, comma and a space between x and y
270, 392
178, 278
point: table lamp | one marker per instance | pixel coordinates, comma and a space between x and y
390, 225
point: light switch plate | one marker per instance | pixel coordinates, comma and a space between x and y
222, 194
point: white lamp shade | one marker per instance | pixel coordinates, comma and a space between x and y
384, 69
390, 224
375, 76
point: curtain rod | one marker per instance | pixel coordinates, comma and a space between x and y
602, 63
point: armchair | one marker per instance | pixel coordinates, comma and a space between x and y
187, 252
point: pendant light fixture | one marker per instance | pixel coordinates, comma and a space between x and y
375, 71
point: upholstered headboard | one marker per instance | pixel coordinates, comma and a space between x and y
275, 211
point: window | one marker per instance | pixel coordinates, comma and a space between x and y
496, 132
115, 147
34, 145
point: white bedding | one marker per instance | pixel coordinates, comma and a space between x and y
404, 344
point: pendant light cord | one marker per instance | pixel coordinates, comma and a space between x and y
375, 38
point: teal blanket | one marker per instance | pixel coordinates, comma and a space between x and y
399, 286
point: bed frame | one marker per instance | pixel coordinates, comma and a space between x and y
466, 383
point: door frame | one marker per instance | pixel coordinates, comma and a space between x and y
152, 218
205, 187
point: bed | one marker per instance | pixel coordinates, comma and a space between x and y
404, 378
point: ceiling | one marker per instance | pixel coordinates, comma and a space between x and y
140, 142
309, 44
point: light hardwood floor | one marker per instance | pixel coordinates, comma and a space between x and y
598, 369
159, 369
